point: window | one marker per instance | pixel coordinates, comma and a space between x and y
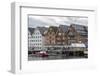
58, 42
63, 38
33, 36
59, 34
58, 38
50, 37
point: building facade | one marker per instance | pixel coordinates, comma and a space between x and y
77, 34
38, 38
62, 36
50, 36
56, 37
30, 32
66, 35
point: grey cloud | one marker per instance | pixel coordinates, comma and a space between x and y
48, 21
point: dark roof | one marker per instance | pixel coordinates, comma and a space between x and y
42, 30
31, 30
60, 28
78, 27
54, 28
83, 30
64, 28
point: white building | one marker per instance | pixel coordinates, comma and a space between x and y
30, 31
38, 38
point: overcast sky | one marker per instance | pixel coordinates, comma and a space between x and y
47, 21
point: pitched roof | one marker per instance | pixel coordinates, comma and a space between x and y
78, 27
83, 30
64, 28
54, 28
31, 30
42, 30
60, 28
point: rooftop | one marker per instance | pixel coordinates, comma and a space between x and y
31, 30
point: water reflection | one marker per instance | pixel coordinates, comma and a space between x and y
30, 58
